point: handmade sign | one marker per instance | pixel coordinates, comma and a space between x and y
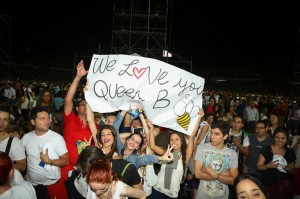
169, 96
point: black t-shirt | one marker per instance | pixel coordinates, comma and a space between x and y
131, 176
272, 175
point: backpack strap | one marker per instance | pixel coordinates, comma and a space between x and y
8, 145
125, 168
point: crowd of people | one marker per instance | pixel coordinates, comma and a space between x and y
52, 145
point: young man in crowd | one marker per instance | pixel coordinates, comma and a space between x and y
238, 140
215, 164
12, 146
257, 142
76, 128
46, 154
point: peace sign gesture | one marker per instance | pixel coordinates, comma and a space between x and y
168, 155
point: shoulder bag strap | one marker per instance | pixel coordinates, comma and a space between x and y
8, 145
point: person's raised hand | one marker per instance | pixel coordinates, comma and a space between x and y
150, 124
87, 143
86, 87
201, 112
81, 70
168, 156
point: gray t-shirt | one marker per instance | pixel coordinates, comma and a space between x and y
220, 161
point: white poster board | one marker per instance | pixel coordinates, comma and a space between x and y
169, 96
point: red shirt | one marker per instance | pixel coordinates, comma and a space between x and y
211, 109
74, 130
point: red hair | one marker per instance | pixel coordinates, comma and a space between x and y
5, 167
101, 172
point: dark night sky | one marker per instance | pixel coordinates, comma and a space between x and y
221, 37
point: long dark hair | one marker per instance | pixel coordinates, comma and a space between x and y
87, 158
183, 146
114, 145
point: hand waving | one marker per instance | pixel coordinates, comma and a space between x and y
81, 70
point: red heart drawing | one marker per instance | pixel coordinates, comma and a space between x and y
138, 72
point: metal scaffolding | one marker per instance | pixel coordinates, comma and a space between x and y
140, 26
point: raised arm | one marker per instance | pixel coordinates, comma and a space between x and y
156, 149
127, 120
140, 161
68, 107
190, 148
91, 122
145, 126
202, 134
117, 124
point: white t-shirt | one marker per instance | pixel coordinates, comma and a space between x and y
17, 151
206, 139
20, 188
10, 93
81, 185
119, 187
25, 104
23, 190
17, 178
32, 143
231, 145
